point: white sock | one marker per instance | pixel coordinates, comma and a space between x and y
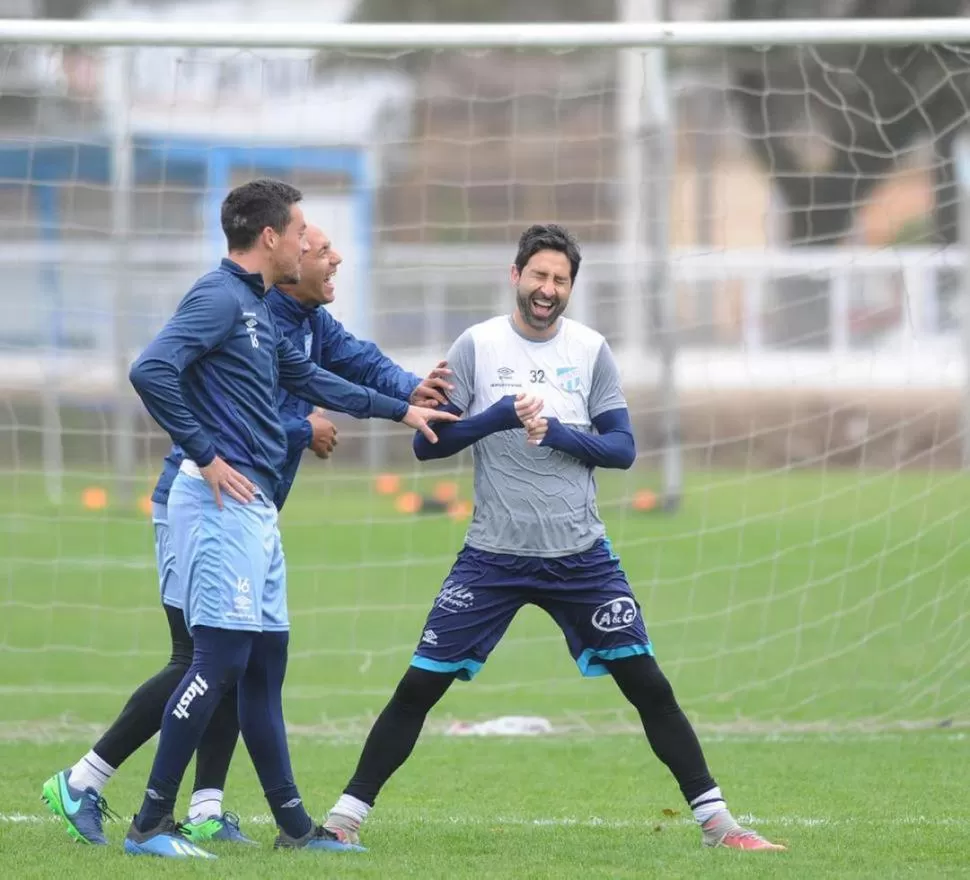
91, 772
706, 805
206, 803
348, 805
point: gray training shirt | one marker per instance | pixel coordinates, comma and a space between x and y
532, 500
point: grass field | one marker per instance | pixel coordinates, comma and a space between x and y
815, 626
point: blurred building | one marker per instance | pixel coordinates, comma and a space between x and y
460, 149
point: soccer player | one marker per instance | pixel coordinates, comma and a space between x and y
543, 407
300, 315
210, 379
75, 794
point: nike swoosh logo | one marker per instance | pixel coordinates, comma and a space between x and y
71, 805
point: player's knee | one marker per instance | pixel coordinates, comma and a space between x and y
420, 689
232, 671
644, 685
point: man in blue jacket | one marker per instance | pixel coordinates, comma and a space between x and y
302, 319
75, 794
210, 379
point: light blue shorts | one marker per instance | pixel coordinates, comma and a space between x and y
168, 582
229, 561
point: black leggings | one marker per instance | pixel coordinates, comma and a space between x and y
141, 717
394, 734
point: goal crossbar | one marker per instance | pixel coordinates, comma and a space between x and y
512, 35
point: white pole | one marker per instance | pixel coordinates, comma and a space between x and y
121, 69
646, 171
630, 195
961, 161
52, 432
585, 35
661, 291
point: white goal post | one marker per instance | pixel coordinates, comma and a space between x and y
519, 35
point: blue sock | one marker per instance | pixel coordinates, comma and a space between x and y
263, 731
219, 658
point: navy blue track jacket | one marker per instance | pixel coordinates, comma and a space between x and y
211, 376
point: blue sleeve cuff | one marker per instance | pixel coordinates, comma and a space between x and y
204, 458
412, 385
556, 433
453, 437
384, 407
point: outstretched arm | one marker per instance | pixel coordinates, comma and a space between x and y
300, 376
504, 415
361, 361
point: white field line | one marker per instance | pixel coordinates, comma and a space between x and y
591, 822
353, 729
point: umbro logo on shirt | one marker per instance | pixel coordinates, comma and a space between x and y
506, 378
252, 325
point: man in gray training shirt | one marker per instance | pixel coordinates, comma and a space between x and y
543, 407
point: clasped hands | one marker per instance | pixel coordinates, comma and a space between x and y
527, 409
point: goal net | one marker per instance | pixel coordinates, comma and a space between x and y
772, 246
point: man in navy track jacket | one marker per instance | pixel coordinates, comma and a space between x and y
210, 378
300, 317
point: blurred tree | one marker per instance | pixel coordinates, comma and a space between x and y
65, 8
483, 10
829, 122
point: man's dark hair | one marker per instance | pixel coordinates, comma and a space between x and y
548, 237
250, 208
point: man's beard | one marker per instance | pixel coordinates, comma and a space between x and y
539, 322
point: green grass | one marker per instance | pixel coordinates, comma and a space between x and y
807, 620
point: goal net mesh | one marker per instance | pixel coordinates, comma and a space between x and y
788, 218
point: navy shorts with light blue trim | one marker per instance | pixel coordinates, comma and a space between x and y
586, 593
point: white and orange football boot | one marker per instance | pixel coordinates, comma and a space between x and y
722, 829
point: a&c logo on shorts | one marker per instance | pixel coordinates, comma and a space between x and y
615, 615
454, 597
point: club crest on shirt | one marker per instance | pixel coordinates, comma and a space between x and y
569, 378
307, 344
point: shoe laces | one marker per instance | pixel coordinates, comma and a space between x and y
230, 819
179, 829
104, 811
